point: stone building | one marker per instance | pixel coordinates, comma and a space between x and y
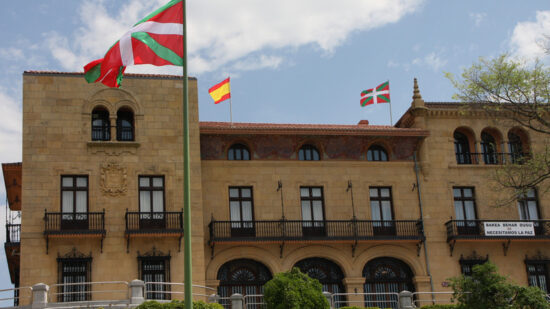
363, 208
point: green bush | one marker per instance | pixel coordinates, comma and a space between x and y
355, 307
176, 304
294, 290
438, 307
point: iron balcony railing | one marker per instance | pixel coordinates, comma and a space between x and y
74, 223
101, 133
13, 234
491, 158
475, 229
154, 222
296, 230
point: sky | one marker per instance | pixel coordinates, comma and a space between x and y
290, 61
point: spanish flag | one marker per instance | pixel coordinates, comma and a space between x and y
221, 91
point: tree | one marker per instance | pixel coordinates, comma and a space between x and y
294, 290
486, 289
518, 93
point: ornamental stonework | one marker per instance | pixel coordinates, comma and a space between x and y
113, 180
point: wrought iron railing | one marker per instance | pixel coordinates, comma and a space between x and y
124, 133
154, 222
295, 230
475, 229
74, 223
101, 133
490, 158
13, 234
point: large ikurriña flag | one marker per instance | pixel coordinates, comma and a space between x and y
380, 94
157, 39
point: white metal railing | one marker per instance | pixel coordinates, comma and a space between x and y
15, 299
254, 301
341, 303
167, 288
433, 298
89, 291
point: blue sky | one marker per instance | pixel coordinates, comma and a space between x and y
290, 61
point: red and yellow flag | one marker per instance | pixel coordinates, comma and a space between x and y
220, 92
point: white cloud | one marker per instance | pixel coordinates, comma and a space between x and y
528, 38
432, 60
477, 18
223, 33
11, 53
10, 129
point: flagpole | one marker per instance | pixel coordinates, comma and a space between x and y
230, 108
188, 278
391, 120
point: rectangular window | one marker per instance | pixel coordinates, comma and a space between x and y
241, 208
74, 202
537, 274
312, 211
381, 210
466, 266
155, 271
528, 206
151, 202
465, 210
72, 272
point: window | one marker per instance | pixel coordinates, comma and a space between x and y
241, 207
377, 153
243, 276
537, 274
467, 264
465, 210
489, 148
101, 125
74, 202
462, 148
125, 125
308, 153
515, 146
312, 211
238, 152
386, 275
381, 210
151, 202
528, 206
154, 270
74, 270
329, 275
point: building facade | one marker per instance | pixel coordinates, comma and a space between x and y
362, 208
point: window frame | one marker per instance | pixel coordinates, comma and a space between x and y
523, 206
105, 127
380, 199
142, 262
119, 125
308, 150
489, 148
238, 148
377, 150
74, 189
241, 224
545, 273
463, 156
463, 199
152, 189
84, 294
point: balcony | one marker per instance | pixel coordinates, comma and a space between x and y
341, 231
497, 230
79, 225
494, 158
154, 224
12, 246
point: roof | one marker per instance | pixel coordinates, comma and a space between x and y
208, 127
130, 75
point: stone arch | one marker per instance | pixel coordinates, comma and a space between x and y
523, 136
317, 251
464, 148
257, 254
406, 255
112, 99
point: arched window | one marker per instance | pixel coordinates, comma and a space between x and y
377, 153
308, 153
125, 125
462, 148
238, 152
386, 275
243, 276
329, 275
489, 148
517, 145
101, 125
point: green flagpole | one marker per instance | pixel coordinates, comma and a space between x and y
188, 280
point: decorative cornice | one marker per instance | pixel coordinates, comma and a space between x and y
474, 257
153, 253
74, 254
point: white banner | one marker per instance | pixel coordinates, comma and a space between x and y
509, 229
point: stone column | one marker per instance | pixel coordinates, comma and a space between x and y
355, 285
405, 300
136, 291
39, 296
112, 119
237, 301
422, 284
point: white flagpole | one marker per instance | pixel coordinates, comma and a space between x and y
391, 120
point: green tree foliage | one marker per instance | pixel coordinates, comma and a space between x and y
486, 289
175, 304
294, 290
439, 307
515, 93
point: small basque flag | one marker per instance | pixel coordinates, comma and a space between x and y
220, 92
380, 94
